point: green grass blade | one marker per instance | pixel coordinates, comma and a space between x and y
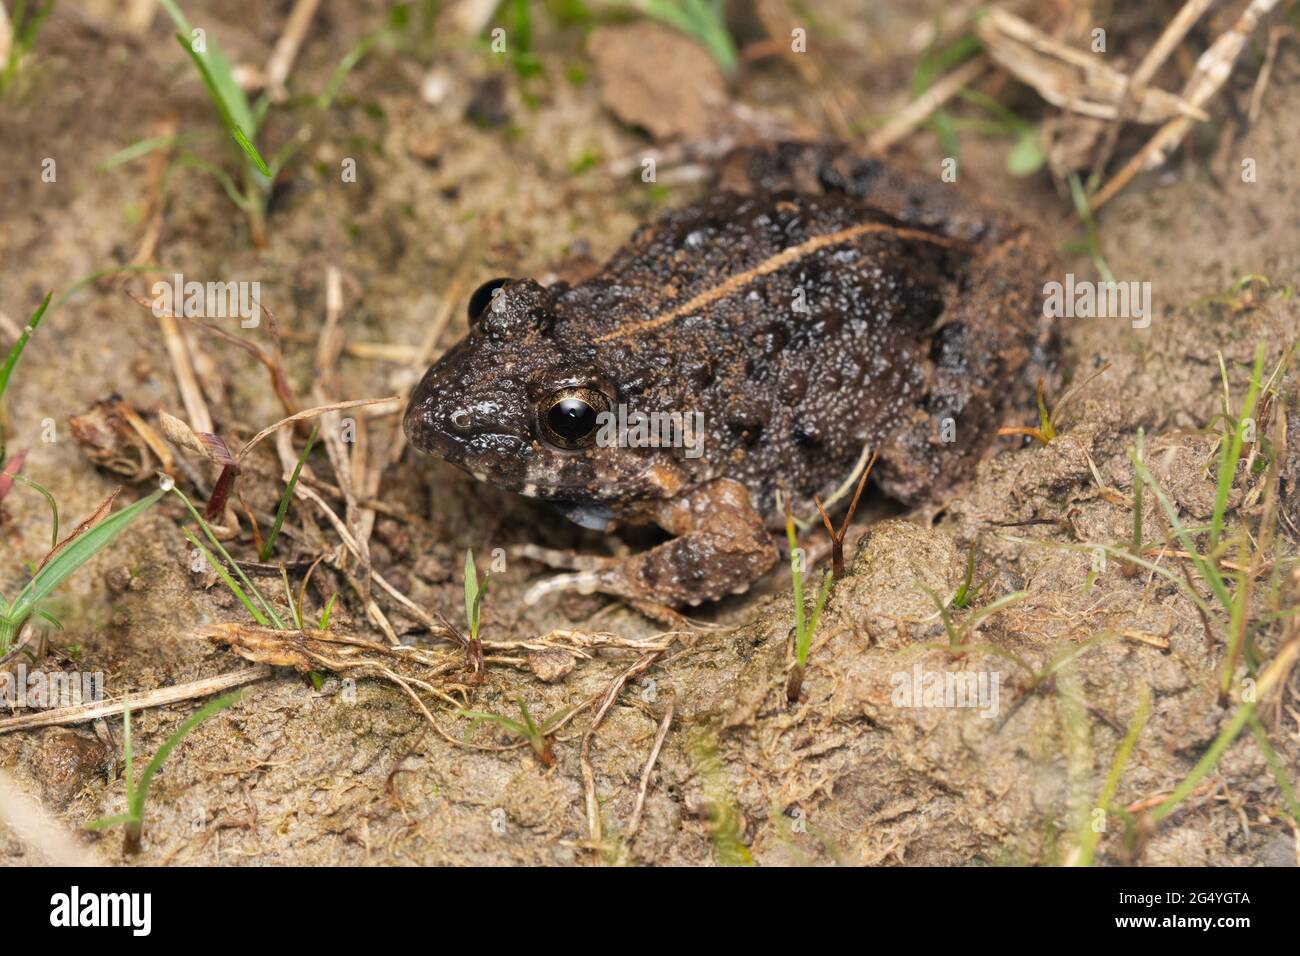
143, 147
796, 576
103, 823
1092, 236
128, 756
77, 553
212, 538
224, 112
944, 614
226, 579
933, 62
990, 649
1135, 728
21, 344
514, 726
963, 595
1275, 765
474, 590
221, 176
283, 507
354, 56
49, 499
1137, 497
325, 615
226, 109
99, 274
284, 155
704, 20
294, 610
196, 718
1119, 554
28, 28
550, 722
1230, 452
1209, 571
479, 592
471, 589
1205, 764
988, 610
1072, 652
805, 639
528, 718
24, 30
217, 72
251, 151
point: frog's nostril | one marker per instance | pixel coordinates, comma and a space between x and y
461, 420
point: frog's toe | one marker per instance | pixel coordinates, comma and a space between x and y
555, 558
584, 582
587, 582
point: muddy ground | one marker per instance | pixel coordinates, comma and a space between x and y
467, 169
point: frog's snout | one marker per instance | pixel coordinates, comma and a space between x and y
459, 417
439, 428
475, 428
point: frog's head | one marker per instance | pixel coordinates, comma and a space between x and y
516, 407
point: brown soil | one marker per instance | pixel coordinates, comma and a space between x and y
297, 775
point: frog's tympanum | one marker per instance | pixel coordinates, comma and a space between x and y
814, 304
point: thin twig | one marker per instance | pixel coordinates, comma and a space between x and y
309, 413
919, 110
594, 828
837, 540
664, 724
286, 48
1212, 71
1172, 35
196, 407
156, 177
140, 700
279, 381
1275, 36
326, 387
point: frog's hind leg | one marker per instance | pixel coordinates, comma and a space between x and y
719, 547
989, 349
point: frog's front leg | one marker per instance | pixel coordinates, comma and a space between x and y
719, 547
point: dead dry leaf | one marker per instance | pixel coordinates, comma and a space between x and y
96, 517
109, 440
655, 78
1072, 79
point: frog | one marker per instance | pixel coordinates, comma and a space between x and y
815, 303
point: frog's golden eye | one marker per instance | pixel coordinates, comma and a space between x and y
569, 418
482, 297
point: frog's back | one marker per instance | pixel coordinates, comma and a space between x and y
800, 326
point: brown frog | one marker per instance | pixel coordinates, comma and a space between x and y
816, 303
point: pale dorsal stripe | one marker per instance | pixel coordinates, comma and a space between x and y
783, 258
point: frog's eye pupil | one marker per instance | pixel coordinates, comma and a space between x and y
570, 419
482, 297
